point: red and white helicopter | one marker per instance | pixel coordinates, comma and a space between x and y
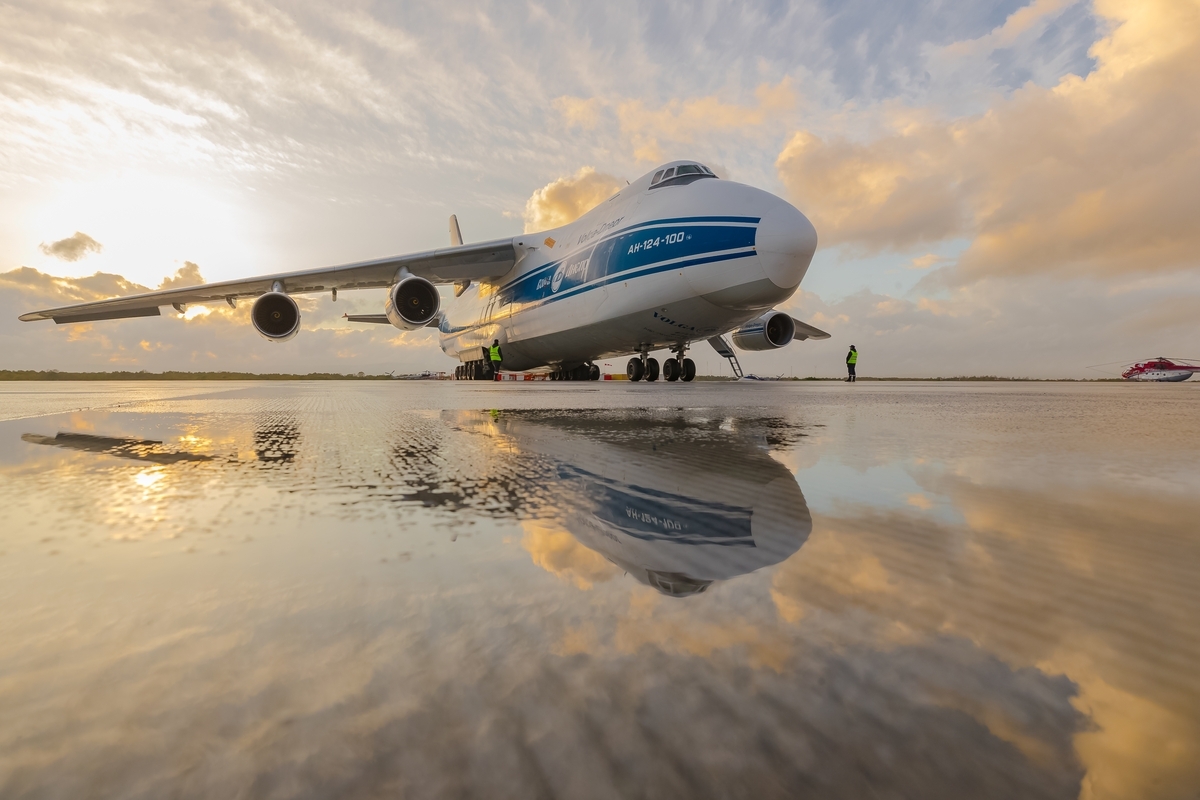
1160, 369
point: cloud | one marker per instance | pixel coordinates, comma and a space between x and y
649, 130
76, 246
187, 275
1024, 326
1095, 175
566, 199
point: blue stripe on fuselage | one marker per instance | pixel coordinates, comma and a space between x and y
618, 257
628, 253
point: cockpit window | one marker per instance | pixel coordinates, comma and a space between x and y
683, 174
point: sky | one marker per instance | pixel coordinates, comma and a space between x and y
999, 188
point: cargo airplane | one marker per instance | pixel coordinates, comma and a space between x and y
676, 257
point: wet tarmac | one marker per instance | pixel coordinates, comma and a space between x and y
432, 590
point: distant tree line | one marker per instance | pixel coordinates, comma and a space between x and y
142, 375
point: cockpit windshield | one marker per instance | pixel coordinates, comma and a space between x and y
684, 173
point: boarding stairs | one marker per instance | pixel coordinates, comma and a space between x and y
723, 349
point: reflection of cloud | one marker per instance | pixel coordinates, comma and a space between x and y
557, 551
72, 248
566, 199
1080, 565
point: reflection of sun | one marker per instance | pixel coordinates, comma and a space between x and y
148, 477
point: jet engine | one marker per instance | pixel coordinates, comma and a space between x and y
769, 332
276, 316
412, 303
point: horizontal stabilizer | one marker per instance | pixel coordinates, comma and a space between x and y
806, 331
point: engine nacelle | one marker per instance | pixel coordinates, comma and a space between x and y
275, 316
412, 303
769, 332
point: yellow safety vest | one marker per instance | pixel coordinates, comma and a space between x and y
853, 357
494, 353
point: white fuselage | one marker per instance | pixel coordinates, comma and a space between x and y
1162, 375
648, 269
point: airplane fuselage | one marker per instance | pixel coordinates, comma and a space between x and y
651, 268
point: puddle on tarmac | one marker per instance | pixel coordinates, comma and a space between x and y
763, 591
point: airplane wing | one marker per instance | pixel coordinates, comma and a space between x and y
444, 265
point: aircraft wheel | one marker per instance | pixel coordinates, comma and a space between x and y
594, 372
689, 369
651, 369
670, 370
634, 369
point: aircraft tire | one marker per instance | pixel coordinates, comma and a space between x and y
593, 372
651, 369
633, 370
670, 370
689, 370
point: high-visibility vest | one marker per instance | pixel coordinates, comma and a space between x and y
494, 352
852, 358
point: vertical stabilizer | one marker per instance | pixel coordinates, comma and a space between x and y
455, 233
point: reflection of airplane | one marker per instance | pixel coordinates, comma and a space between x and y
136, 449
678, 505
674, 258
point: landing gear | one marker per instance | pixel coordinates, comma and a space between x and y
634, 369
651, 369
689, 370
671, 370
583, 372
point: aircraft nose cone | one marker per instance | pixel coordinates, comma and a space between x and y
785, 242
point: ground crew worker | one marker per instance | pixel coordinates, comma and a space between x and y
851, 360
496, 357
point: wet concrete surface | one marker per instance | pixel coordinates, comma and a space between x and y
599, 590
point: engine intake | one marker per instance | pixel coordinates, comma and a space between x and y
275, 316
412, 303
769, 332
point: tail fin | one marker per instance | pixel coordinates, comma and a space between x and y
455, 233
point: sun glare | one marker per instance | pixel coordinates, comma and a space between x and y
148, 225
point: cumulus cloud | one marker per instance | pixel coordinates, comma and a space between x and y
650, 129
1095, 175
187, 275
568, 198
76, 246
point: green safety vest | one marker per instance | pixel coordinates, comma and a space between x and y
494, 353
852, 358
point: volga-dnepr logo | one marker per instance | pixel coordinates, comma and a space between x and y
556, 281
